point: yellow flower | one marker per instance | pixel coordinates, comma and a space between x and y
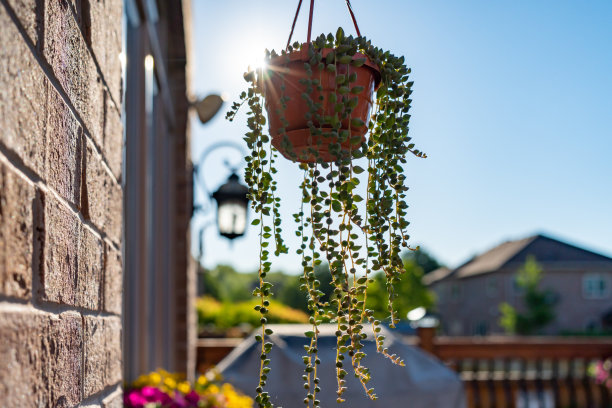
184, 387
154, 378
235, 400
170, 383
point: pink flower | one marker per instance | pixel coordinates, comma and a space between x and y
153, 394
601, 374
133, 399
193, 398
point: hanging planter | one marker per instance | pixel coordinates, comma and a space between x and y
339, 106
288, 77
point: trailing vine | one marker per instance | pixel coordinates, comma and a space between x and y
355, 236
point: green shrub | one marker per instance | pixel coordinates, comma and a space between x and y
227, 315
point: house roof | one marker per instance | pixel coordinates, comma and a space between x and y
436, 275
545, 249
495, 258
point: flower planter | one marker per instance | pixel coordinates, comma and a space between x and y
289, 70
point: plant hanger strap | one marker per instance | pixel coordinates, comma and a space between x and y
350, 9
297, 12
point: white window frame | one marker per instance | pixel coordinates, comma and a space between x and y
455, 291
594, 294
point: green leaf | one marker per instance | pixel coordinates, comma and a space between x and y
357, 90
310, 334
345, 59
356, 122
358, 62
340, 34
336, 206
358, 170
256, 221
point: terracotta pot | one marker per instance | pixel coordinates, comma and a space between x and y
298, 132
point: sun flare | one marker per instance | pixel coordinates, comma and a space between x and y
253, 56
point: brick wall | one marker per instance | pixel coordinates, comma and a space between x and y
60, 203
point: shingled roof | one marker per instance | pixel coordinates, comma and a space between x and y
545, 249
493, 259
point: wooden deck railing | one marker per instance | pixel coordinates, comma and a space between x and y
500, 371
211, 351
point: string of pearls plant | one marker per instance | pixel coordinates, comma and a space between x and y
353, 211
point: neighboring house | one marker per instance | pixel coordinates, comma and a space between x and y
469, 295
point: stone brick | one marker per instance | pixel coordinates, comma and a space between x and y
28, 12
113, 280
23, 89
90, 266
95, 112
106, 37
23, 363
114, 349
64, 149
41, 358
61, 245
97, 185
95, 355
66, 52
102, 353
16, 234
103, 201
64, 343
113, 139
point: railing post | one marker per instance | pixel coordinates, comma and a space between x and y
426, 339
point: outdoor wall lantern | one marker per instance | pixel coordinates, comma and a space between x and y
231, 197
232, 204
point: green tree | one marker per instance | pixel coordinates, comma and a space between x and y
539, 303
410, 292
291, 295
226, 284
423, 259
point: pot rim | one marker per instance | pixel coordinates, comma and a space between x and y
302, 55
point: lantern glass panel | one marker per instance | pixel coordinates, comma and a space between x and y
231, 218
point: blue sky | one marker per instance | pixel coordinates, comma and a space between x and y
512, 103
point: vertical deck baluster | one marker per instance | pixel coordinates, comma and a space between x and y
554, 382
571, 386
475, 387
605, 395
461, 368
586, 384
539, 383
491, 383
507, 367
522, 382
